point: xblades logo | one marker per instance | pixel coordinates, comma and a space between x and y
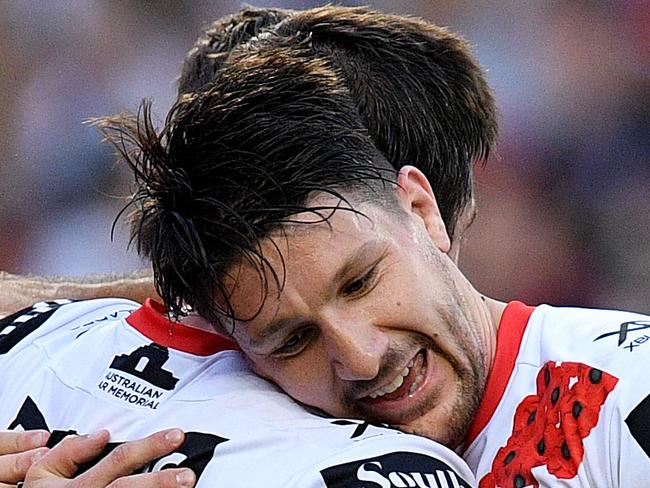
625, 329
361, 426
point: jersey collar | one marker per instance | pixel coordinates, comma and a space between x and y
150, 320
509, 336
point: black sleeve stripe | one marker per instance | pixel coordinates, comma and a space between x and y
10, 319
197, 450
639, 424
29, 417
16, 327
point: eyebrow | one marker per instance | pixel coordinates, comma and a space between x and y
357, 256
272, 329
278, 325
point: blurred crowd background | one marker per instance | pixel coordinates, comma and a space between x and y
564, 203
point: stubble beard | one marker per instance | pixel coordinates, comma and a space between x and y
450, 423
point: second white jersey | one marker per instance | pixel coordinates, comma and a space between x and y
82, 366
567, 401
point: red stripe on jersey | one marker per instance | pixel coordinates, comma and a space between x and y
151, 322
511, 331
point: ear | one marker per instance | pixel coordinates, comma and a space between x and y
416, 197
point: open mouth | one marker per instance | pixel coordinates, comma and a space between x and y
406, 383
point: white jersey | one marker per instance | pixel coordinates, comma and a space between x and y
567, 401
109, 363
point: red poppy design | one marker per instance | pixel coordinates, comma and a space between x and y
550, 426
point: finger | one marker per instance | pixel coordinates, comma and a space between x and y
13, 467
13, 441
128, 457
64, 459
167, 478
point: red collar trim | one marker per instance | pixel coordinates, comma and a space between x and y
509, 335
150, 320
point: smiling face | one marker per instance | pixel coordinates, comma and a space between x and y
374, 320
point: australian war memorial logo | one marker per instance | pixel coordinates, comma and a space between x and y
139, 378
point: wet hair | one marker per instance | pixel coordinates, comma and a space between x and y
279, 106
213, 46
419, 92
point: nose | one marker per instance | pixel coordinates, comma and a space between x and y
355, 347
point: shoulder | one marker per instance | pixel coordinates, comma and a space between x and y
48, 317
395, 460
586, 318
603, 358
66, 308
565, 333
615, 344
334, 453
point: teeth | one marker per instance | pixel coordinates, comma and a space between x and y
416, 383
393, 385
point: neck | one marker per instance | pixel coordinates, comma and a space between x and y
198, 322
494, 310
487, 316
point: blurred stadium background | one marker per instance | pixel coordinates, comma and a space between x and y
564, 202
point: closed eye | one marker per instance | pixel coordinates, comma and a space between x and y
362, 285
296, 342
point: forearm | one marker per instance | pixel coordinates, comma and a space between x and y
17, 292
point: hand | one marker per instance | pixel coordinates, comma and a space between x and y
18, 450
57, 467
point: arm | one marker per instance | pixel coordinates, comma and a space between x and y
17, 292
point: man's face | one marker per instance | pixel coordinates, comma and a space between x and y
374, 321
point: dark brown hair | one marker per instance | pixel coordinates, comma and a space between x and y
276, 105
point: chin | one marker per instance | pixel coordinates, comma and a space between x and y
447, 423
425, 428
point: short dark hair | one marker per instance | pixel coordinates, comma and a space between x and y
215, 43
419, 91
331, 100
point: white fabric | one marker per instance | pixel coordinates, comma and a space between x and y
71, 373
563, 339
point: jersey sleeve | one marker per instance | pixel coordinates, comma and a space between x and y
629, 437
53, 317
400, 460
633, 462
627, 341
18, 326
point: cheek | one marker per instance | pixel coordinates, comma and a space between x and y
301, 377
311, 391
407, 303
